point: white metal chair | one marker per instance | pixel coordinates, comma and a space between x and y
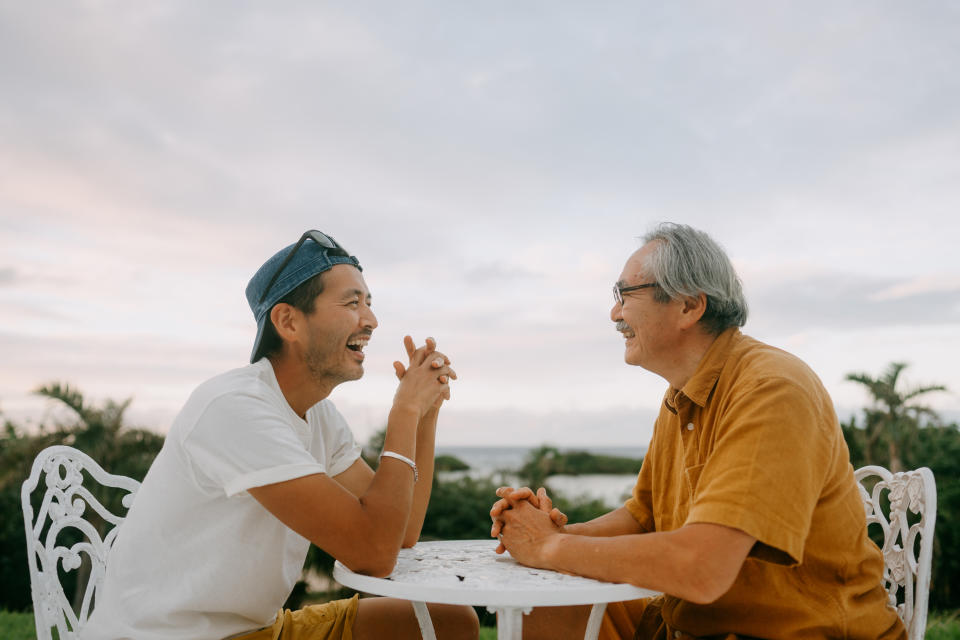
906, 573
60, 520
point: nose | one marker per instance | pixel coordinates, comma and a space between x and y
616, 312
368, 318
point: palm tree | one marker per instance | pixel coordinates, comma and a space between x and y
894, 417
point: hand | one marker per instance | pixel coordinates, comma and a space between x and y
429, 349
425, 381
510, 497
526, 532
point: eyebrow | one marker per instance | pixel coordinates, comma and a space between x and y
357, 293
620, 283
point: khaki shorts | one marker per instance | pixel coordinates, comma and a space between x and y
330, 621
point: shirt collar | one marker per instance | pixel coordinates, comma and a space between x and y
704, 379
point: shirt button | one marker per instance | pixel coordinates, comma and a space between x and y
689, 428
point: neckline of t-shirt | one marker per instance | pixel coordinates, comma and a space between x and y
298, 422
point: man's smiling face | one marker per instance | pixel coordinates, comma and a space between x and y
340, 327
645, 323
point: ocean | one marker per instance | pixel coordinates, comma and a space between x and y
502, 462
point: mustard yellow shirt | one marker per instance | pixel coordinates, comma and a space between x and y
752, 442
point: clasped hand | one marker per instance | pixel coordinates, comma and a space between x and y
524, 521
425, 380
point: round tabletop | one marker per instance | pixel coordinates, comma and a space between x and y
470, 572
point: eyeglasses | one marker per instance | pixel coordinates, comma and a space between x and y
618, 291
320, 238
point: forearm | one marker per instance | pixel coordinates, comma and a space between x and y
426, 443
674, 562
390, 497
615, 523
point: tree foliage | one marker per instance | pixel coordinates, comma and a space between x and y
898, 433
97, 430
894, 418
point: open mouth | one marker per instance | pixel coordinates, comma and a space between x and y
357, 344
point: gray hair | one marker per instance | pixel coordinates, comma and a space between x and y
685, 263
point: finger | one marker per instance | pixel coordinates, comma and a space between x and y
431, 345
439, 354
453, 374
399, 369
503, 492
559, 518
524, 493
546, 504
409, 346
500, 548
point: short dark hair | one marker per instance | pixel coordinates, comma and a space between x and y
303, 298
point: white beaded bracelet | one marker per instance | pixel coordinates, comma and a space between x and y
413, 465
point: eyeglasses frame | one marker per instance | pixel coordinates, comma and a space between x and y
618, 291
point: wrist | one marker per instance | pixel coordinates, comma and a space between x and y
429, 419
550, 549
403, 413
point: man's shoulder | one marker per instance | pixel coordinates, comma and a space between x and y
233, 388
249, 379
751, 357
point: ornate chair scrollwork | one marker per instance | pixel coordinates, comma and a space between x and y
907, 561
70, 526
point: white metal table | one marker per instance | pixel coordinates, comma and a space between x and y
469, 572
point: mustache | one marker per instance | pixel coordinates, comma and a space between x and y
622, 326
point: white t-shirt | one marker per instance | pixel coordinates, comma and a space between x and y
198, 557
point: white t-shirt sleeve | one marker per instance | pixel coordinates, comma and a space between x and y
341, 447
241, 441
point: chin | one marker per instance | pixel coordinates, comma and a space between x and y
356, 373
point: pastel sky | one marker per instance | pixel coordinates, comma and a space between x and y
492, 165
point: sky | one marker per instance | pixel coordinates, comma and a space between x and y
492, 165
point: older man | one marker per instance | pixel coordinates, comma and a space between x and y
745, 513
259, 463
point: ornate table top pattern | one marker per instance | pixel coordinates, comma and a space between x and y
469, 572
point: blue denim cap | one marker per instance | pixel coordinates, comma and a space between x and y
310, 259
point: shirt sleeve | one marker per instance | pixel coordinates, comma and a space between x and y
768, 467
340, 447
241, 441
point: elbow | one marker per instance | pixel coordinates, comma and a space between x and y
705, 586
378, 565
376, 558
704, 594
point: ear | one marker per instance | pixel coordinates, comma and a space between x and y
693, 309
287, 321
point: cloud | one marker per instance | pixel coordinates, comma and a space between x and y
918, 287
845, 301
8, 276
491, 168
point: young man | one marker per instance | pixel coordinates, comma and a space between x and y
745, 514
259, 463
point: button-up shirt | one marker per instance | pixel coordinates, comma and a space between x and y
752, 442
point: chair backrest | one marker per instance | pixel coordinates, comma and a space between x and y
63, 518
906, 573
